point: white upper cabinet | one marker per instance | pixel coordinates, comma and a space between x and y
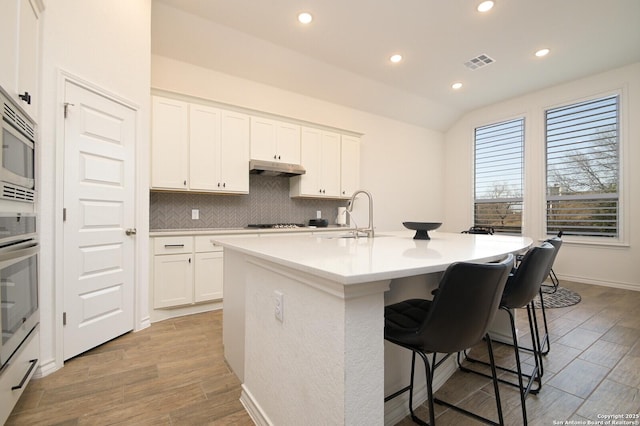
19, 49
170, 144
234, 152
273, 140
204, 147
199, 148
349, 165
9, 43
288, 142
320, 155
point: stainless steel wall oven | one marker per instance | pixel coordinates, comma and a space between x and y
19, 308
17, 136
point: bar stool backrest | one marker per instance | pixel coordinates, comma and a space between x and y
556, 242
464, 305
524, 284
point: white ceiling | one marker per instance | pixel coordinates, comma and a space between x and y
342, 56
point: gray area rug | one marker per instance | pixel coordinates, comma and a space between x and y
560, 298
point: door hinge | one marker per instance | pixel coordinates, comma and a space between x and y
64, 318
64, 214
66, 108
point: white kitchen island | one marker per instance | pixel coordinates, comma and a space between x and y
325, 361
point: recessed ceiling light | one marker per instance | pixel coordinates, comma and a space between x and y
485, 6
395, 58
456, 86
305, 18
542, 52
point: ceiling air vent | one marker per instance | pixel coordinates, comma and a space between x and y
479, 62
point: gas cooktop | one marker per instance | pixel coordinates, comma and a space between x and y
276, 225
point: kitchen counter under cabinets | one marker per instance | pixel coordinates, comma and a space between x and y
187, 267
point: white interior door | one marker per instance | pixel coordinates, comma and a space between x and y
99, 180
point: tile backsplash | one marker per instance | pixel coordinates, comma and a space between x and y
268, 201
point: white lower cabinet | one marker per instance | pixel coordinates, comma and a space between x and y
208, 270
17, 374
185, 273
173, 280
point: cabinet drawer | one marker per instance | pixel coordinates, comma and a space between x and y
20, 370
204, 244
172, 245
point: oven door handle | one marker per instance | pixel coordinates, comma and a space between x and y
27, 250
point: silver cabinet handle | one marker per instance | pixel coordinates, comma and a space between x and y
173, 245
131, 231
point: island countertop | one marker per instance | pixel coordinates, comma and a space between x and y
387, 256
303, 324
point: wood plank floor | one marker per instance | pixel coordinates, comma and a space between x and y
174, 373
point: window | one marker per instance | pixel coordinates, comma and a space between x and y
499, 155
583, 168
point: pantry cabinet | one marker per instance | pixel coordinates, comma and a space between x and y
198, 148
19, 48
273, 140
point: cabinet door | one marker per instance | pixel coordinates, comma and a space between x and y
208, 276
204, 147
310, 156
234, 152
288, 142
172, 280
330, 173
263, 139
169, 144
349, 165
9, 44
28, 36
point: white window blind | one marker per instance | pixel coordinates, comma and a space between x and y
499, 156
583, 168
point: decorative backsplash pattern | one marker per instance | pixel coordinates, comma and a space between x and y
268, 201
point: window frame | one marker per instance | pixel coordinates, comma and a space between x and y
623, 208
522, 200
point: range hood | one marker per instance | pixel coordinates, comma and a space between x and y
273, 168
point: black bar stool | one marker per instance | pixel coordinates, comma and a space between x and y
456, 319
521, 288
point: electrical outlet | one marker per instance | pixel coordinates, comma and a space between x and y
318, 214
279, 308
195, 214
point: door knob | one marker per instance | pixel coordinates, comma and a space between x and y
131, 231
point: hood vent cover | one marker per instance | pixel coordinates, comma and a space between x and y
273, 168
479, 62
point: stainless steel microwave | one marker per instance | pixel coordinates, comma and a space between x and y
17, 177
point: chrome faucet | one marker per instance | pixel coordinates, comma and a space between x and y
369, 230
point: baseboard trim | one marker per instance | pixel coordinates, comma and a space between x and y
590, 281
253, 408
46, 368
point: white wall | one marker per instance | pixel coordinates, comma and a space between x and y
106, 43
612, 265
401, 164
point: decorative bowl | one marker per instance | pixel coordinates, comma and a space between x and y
422, 228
